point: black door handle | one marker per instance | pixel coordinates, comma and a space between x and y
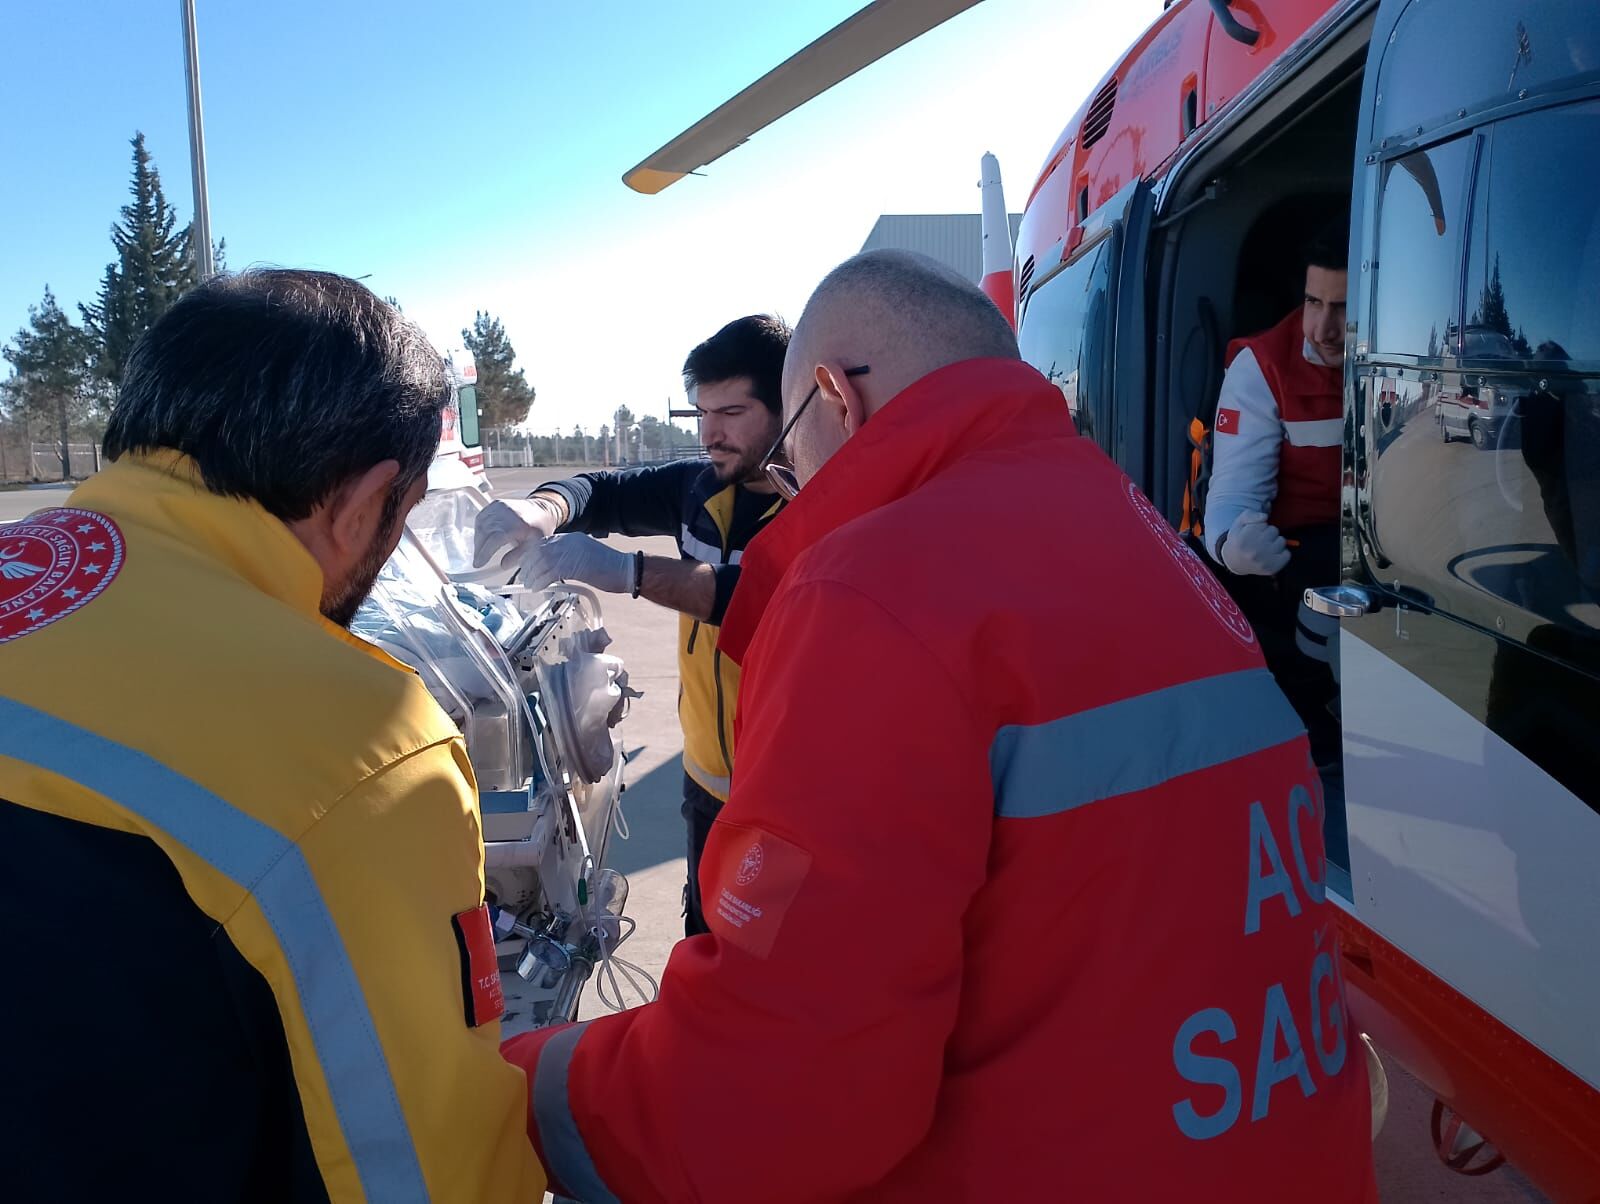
1231, 26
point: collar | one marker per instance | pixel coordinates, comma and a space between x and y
930, 425
162, 491
722, 501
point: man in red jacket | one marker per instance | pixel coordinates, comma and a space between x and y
1019, 892
1272, 506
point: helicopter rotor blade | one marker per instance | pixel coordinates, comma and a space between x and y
880, 28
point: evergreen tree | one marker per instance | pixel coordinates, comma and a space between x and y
51, 360
1491, 312
504, 395
152, 269
653, 434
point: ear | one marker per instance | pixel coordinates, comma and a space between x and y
840, 391
355, 511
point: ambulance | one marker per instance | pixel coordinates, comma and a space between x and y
460, 459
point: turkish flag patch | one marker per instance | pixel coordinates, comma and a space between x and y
748, 879
480, 974
1227, 422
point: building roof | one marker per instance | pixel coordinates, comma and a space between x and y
954, 239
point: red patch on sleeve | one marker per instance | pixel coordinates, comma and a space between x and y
748, 879
480, 973
1227, 422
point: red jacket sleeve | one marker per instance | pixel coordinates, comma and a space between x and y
796, 1053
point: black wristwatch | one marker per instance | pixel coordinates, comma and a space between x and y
638, 573
1222, 539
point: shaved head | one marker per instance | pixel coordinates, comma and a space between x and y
901, 316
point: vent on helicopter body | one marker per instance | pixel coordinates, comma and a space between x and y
1098, 119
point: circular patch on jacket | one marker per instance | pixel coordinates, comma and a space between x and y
53, 563
1201, 578
755, 859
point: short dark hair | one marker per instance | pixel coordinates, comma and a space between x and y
1329, 247
753, 346
281, 385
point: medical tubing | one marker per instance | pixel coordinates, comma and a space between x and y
630, 971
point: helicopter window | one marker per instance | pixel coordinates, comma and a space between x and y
1439, 63
1534, 262
1065, 332
1529, 533
1486, 487
1419, 250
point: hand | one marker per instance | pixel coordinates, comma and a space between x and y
507, 524
1253, 547
572, 558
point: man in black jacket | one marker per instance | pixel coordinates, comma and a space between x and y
713, 507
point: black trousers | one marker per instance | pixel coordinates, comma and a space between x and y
1272, 604
700, 810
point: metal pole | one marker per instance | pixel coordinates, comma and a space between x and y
197, 148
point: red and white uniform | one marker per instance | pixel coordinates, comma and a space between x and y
1018, 894
1280, 423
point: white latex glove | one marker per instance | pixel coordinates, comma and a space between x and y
572, 558
508, 523
1253, 547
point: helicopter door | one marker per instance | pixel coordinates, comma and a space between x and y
1470, 634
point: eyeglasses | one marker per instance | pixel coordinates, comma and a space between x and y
775, 464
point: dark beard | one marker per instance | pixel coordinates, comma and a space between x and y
743, 471
341, 601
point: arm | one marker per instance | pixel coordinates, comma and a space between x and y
795, 1054
700, 591
689, 587
395, 860
1244, 473
639, 501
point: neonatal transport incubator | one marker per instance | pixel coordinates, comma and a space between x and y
526, 677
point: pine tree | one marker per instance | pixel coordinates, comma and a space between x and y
1491, 312
51, 359
653, 434
504, 395
153, 268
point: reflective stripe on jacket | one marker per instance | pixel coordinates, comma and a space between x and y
1019, 892
315, 802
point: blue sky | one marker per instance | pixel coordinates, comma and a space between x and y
468, 155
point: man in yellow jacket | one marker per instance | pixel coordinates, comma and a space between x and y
262, 830
713, 507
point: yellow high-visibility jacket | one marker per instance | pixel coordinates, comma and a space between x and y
713, 523
165, 671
